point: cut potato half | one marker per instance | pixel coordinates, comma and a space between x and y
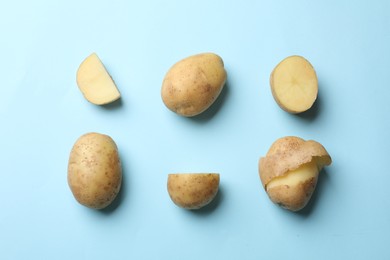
192, 190
294, 84
95, 83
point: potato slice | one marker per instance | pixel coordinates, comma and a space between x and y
289, 172
294, 84
193, 190
95, 83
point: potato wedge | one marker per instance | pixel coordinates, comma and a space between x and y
95, 83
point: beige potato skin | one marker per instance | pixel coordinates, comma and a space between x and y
294, 68
94, 170
192, 190
287, 154
193, 84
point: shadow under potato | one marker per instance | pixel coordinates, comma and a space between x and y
117, 104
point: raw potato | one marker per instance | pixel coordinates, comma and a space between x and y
193, 190
193, 84
289, 171
294, 84
94, 170
95, 83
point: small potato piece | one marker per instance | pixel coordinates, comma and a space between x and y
193, 84
193, 190
95, 83
289, 171
94, 170
294, 84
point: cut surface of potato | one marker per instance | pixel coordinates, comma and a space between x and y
192, 190
95, 83
294, 84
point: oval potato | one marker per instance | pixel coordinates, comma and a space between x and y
193, 84
94, 170
95, 83
193, 190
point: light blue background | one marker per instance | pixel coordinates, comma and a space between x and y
43, 113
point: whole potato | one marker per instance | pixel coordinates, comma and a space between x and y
193, 84
193, 190
94, 170
289, 171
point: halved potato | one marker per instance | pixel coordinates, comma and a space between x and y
193, 190
294, 84
95, 83
289, 171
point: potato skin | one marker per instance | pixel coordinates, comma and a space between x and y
193, 84
193, 190
94, 170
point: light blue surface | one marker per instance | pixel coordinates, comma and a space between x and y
43, 113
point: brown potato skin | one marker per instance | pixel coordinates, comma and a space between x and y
287, 154
193, 84
293, 198
94, 170
192, 190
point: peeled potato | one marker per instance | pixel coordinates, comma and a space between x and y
95, 83
289, 171
193, 190
294, 84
